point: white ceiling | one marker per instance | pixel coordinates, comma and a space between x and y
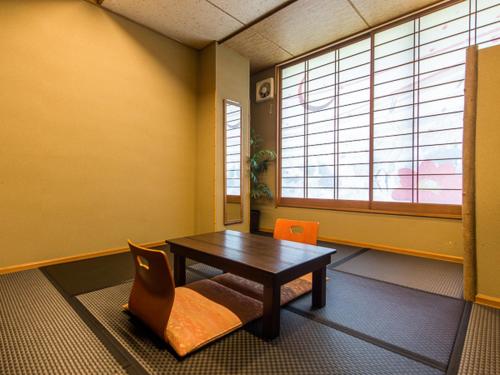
272, 31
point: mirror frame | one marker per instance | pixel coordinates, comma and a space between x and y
225, 103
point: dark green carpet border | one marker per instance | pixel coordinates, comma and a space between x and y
87, 275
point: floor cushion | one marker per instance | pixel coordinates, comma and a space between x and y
204, 311
289, 291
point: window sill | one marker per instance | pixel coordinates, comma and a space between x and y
442, 211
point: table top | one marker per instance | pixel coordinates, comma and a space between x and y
252, 250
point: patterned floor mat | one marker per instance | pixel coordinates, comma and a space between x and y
41, 334
419, 273
304, 347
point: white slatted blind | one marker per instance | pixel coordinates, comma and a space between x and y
380, 119
233, 150
325, 125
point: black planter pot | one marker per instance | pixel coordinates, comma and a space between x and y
254, 221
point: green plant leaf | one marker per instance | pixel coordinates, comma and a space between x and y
259, 163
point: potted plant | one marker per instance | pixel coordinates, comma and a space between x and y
259, 163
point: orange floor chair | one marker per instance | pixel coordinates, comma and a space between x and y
297, 231
187, 317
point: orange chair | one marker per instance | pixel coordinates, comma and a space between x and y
296, 230
291, 230
151, 300
187, 317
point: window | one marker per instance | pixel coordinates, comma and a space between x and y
232, 152
376, 123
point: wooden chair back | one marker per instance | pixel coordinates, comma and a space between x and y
153, 290
296, 230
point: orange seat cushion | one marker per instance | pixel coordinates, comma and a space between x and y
289, 291
205, 311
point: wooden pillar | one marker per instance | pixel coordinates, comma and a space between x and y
469, 180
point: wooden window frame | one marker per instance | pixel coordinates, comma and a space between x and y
233, 198
228, 198
369, 206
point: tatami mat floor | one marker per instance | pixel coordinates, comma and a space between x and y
419, 273
40, 333
387, 314
481, 354
303, 347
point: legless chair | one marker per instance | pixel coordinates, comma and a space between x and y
187, 317
297, 230
292, 230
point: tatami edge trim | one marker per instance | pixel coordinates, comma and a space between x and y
458, 345
389, 249
71, 258
485, 300
340, 262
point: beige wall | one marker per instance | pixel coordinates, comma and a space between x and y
97, 129
413, 233
487, 176
233, 82
205, 142
224, 74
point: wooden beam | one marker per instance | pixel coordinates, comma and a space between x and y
255, 21
469, 178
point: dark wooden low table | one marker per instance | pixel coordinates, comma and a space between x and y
262, 259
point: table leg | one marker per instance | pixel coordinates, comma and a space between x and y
319, 288
179, 270
271, 318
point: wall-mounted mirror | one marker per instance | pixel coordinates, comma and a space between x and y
233, 203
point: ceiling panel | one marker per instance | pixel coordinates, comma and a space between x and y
248, 11
298, 27
376, 12
308, 24
261, 52
195, 23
